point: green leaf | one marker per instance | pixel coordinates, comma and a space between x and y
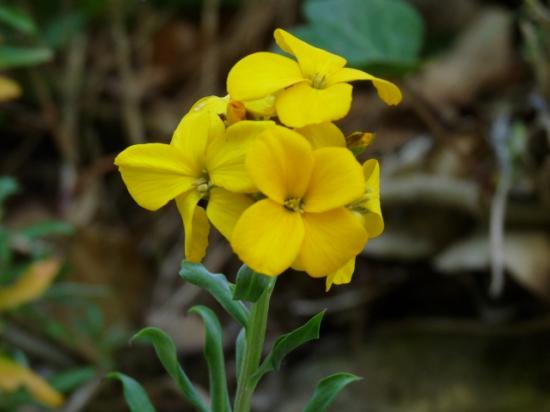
71, 379
8, 186
286, 344
23, 56
250, 285
383, 34
240, 347
17, 19
135, 395
327, 389
218, 286
63, 28
48, 228
167, 354
213, 351
5, 252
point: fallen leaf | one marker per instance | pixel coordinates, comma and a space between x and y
14, 376
9, 89
30, 285
482, 57
526, 258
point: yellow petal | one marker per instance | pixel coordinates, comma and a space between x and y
215, 104
195, 225
279, 162
331, 239
14, 376
9, 89
372, 219
155, 173
225, 157
263, 108
323, 135
387, 91
336, 180
225, 208
193, 134
302, 105
30, 285
267, 237
341, 276
260, 74
313, 61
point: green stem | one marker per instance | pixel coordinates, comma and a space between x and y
255, 337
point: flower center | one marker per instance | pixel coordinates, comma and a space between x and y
203, 184
294, 204
318, 81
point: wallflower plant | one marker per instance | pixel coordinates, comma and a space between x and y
268, 168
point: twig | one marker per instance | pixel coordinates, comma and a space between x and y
129, 90
339, 303
210, 58
35, 346
426, 114
499, 138
247, 31
82, 396
71, 87
469, 327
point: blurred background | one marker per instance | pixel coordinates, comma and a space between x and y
448, 309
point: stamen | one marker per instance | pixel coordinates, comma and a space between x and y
203, 184
318, 81
294, 204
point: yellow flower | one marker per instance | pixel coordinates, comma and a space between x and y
13, 376
203, 161
303, 221
313, 89
367, 209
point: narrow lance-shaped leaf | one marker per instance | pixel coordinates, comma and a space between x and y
240, 346
286, 344
17, 19
47, 228
167, 354
135, 395
327, 389
250, 285
213, 351
23, 56
218, 286
73, 378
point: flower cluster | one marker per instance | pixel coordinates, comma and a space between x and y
267, 168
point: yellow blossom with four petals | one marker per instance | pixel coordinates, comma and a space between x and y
203, 161
303, 222
311, 89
